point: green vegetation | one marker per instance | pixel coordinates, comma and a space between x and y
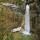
18, 2
35, 23
22, 37
9, 20
16, 36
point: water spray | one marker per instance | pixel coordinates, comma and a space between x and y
27, 19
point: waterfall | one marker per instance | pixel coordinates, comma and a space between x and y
27, 21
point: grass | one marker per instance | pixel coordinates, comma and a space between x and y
15, 36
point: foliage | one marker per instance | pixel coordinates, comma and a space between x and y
12, 1
9, 19
35, 23
18, 36
8, 36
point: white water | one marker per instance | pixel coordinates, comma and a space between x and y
10, 5
27, 21
16, 29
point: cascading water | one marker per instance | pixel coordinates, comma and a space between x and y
27, 21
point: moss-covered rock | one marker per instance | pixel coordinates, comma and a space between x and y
35, 23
